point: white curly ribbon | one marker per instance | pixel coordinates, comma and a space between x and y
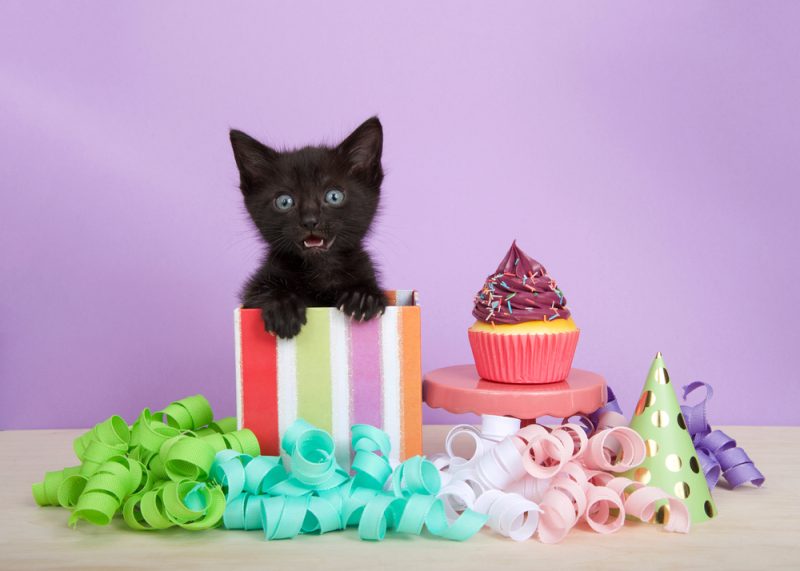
534, 479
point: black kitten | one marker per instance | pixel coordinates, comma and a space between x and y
313, 207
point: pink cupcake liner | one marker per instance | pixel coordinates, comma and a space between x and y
523, 359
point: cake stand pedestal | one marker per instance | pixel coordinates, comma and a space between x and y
460, 389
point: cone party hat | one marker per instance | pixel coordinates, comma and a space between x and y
671, 462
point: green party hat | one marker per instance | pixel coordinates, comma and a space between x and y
671, 461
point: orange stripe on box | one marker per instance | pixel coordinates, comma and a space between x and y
391, 297
259, 381
411, 382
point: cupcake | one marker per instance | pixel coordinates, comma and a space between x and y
524, 332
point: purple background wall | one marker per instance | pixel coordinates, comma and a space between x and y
646, 154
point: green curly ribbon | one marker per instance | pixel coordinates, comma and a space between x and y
315, 498
112, 433
48, 492
243, 441
188, 504
187, 414
169, 470
187, 458
105, 491
154, 472
221, 426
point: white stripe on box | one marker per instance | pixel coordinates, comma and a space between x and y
237, 334
390, 374
287, 383
340, 385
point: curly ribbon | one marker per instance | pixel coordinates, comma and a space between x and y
106, 440
314, 466
607, 416
221, 426
61, 487
717, 452
317, 496
641, 502
562, 507
416, 476
603, 502
543, 452
616, 449
509, 514
189, 413
546, 481
188, 504
371, 456
154, 472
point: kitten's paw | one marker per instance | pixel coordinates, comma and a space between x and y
362, 305
284, 316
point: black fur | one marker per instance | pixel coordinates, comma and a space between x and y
293, 276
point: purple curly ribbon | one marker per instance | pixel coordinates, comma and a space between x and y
611, 406
717, 451
589, 422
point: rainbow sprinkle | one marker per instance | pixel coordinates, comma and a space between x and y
534, 291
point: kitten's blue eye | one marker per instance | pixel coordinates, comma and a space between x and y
334, 197
284, 202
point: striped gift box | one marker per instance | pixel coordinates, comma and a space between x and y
335, 373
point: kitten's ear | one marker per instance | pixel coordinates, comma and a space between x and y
254, 159
362, 150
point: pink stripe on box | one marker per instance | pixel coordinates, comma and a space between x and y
365, 368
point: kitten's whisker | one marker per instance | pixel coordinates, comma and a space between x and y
337, 266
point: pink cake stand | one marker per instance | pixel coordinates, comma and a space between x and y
459, 389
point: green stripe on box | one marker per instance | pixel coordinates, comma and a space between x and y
314, 369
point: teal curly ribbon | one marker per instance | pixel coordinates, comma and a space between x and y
154, 472
416, 476
371, 458
314, 466
168, 470
318, 496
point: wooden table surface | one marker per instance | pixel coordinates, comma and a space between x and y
755, 529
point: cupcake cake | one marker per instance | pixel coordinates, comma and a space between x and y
524, 332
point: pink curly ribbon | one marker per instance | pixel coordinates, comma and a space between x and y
562, 507
616, 449
543, 454
595, 497
641, 503
717, 452
547, 481
600, 501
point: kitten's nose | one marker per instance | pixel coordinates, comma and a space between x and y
310, 222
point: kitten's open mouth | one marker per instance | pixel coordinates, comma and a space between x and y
317, 243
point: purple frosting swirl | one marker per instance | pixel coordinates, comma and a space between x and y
520, 290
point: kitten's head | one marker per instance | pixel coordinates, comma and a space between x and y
312, 200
